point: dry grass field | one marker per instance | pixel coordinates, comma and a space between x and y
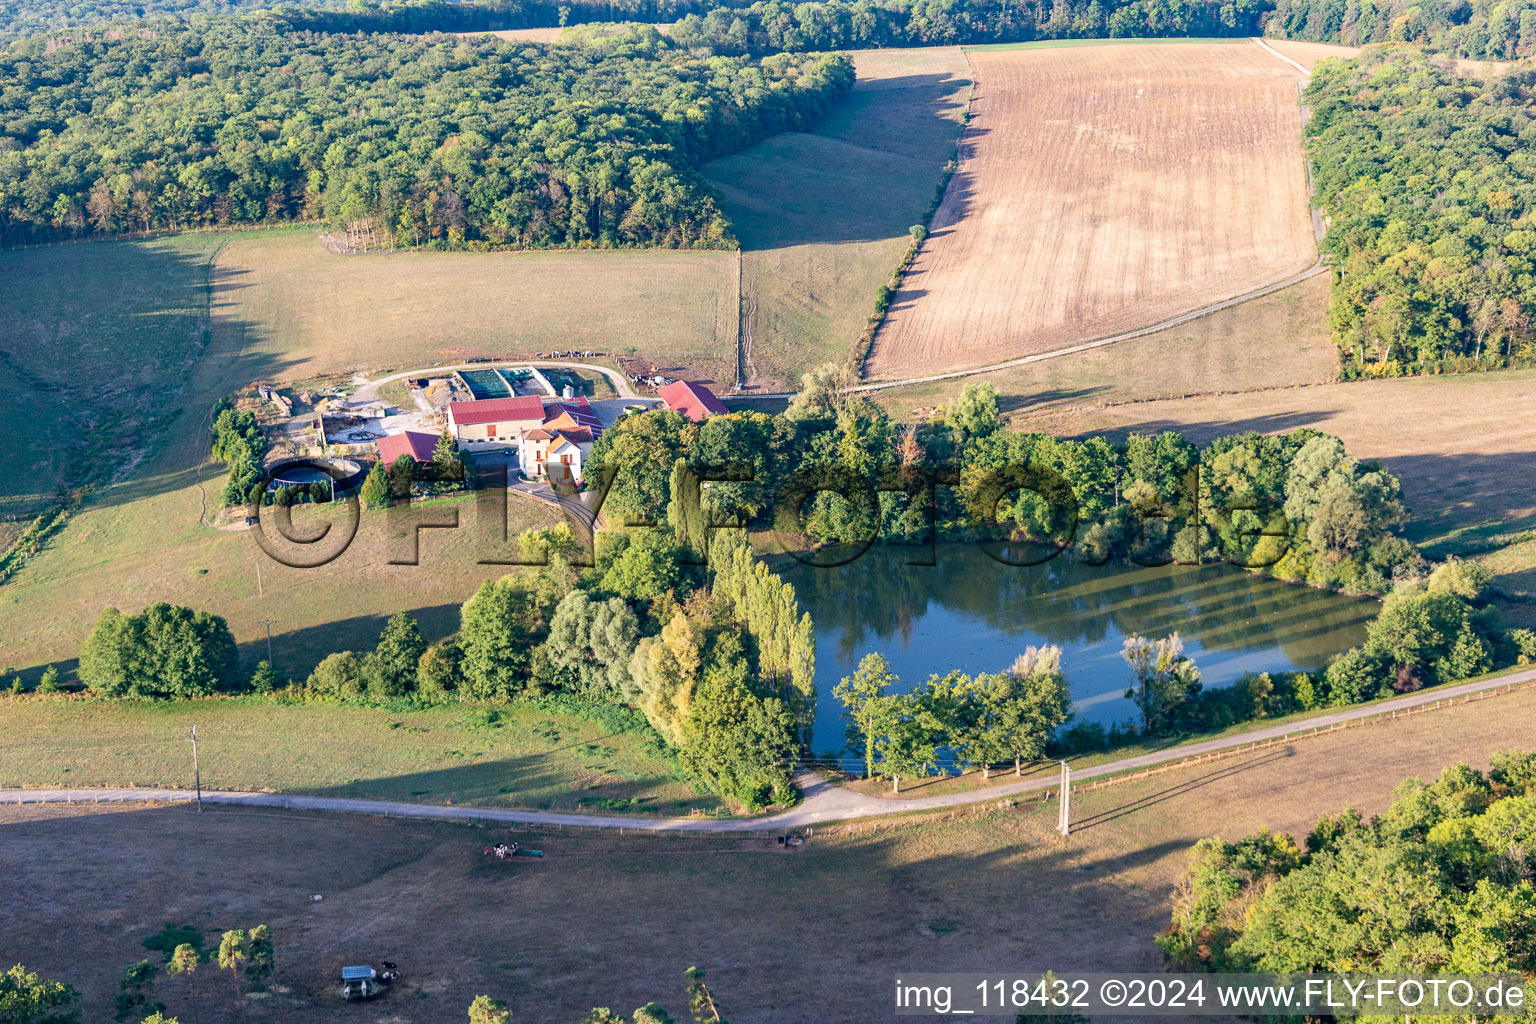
812, 936
315, 313
1278, 340
823, 215
1103, 188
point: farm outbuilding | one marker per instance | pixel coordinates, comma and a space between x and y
494, 419
418, 444
693, 400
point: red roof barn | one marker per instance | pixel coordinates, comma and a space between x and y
496, 410
694, 401
414, 443
494, 419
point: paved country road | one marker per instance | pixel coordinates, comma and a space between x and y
823, 802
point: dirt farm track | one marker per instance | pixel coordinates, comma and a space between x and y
1100, 189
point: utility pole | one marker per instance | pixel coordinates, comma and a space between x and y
197, 772
1064, 820
268, 624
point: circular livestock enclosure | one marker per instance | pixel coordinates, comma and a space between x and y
345, 473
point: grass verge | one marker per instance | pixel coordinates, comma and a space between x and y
527, 756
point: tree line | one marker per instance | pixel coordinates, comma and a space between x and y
412, 141
1485, 29
1432, 630
955, 718
833, 473
34, 17
1482, 29
717, 665
719, 662
1440, 882
249, 955
1427, 180
771, 26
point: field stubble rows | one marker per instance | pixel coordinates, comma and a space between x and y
1101, 189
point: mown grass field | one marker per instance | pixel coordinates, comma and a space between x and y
508, 756
610, 920
312, 313
823, 215
137, 544
96, 344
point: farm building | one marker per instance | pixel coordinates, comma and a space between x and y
494, 419
572, 413
557, 447
556, 454
694, 401
415, 443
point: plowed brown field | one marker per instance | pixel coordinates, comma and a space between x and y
1101, 189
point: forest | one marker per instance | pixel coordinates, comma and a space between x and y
1429, 182
431, 141
1482, 29
766, 27
29, 17
1485, 29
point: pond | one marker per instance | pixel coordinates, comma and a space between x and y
975, 614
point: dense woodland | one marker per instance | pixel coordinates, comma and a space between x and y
1491, 29
1442, 882
1430, 181
28, 17
1297, 505
1483, 29
426, 141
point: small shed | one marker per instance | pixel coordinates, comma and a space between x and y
359, 982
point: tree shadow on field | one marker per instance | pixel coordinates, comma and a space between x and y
103, 346
1202, 431
129, 377
960, 194
866, 172
295, 652
1477, 498
529, 782
1035, 400
235, 355
1186, 786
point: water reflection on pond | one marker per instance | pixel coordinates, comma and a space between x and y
972, 613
